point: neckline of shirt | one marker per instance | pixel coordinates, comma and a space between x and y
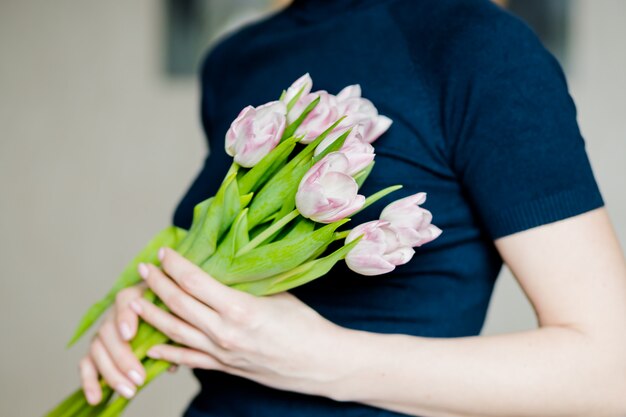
314, 10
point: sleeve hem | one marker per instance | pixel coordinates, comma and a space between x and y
544, 210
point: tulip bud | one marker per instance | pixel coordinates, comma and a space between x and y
412, 222
255, 132
319, 119
327, 192
359, 153
304, 83
379, 251
361, 112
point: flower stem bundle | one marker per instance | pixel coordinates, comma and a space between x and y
280, 213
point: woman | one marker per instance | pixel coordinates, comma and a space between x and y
484, 123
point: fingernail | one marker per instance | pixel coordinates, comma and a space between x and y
125, 331
91, 397
161, 254
134, 305
143, 270
153, 354
125, 391
135, 377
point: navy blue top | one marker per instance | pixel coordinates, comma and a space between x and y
483, 123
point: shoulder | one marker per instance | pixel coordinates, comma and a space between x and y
466, 38
233, 43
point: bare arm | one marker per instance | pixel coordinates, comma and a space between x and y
574, 365
573, 272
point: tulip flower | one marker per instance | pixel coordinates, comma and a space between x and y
361, 112
319, 119
412, 222
379, 251
328, 192
359, 153
304, 83
255, 132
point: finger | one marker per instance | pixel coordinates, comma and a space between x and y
121, 354
89, 381
126, 318
173, 327
109, 371
197, 282
185, 356
181, 303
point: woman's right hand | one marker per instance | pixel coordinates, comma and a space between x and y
110, 354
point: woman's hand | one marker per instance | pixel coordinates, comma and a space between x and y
110, 354
276, 340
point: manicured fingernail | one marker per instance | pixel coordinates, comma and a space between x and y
153, 354
134, 305
161, 254
135, 377
125, 331
91, 397
126, 392
143, 270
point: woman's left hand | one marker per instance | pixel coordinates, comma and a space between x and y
276, 340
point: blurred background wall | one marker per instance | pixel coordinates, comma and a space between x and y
99, 139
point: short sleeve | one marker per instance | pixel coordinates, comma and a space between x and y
515, 143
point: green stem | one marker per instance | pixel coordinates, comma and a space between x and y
261, 237
341, 235
153, 369
377, 196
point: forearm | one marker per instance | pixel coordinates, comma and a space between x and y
546, 372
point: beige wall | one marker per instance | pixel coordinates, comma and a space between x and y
96, 147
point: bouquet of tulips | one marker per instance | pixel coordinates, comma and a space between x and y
276, 221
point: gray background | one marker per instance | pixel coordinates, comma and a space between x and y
97, 146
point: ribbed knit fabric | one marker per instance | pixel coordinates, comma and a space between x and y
483, 123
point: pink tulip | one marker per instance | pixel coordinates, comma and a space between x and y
412, 222
361, 112
327, 192
359, 153
305, 83
255, 132
319, 119
379, 251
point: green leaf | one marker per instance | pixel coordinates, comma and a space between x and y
266, 166
232, 207
362, 175
296, 277
278, 257
302, 226
295, 99
169, 237
316, 269
245, 199
272, 196
219, 212
276, 227
291, 129
227, 248
306, 154
199, 213
333, 147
